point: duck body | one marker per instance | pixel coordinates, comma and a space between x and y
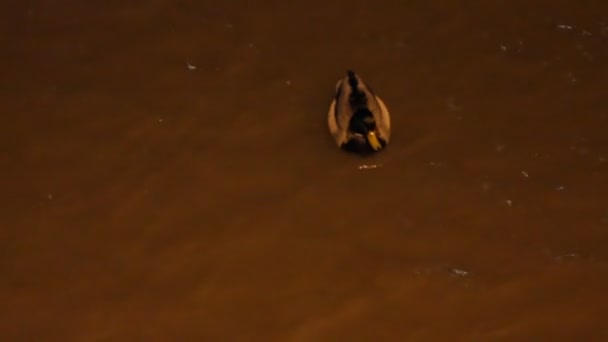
358, 119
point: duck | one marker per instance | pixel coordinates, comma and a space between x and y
358, 119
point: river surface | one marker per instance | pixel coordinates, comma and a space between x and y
168, 175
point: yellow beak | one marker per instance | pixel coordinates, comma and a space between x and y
373, 141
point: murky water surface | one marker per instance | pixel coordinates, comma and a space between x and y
168, 175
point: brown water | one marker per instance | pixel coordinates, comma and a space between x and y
146, 200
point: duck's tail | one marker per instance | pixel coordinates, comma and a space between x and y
357, 97
352, 78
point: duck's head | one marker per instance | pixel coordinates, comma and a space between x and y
363, 135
